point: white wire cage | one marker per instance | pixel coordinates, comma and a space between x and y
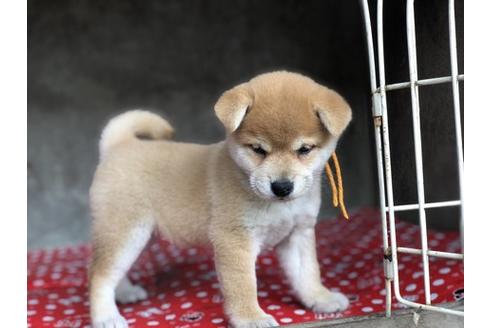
379, 89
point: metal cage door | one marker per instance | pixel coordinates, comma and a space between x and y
382, 138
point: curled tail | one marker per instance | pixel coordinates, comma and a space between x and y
131, 125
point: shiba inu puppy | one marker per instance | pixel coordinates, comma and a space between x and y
259, 188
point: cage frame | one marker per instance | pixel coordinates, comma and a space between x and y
383, 152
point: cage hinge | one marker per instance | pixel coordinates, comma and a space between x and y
377, 121
377, 105
388, 264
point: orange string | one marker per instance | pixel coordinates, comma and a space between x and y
334, 193
336, 189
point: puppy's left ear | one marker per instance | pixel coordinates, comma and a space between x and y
232, 106
333, 111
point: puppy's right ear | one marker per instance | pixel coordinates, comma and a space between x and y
232, 106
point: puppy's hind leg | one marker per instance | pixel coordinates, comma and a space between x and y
113, 254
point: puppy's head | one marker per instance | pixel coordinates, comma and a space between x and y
282, 127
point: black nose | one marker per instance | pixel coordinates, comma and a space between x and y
282, 188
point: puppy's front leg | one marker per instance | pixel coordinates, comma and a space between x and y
297, 255
235, 257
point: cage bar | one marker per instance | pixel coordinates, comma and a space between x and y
376, 109
381, 128
417, 141
409, 207
423, 82
456, 103
447, 255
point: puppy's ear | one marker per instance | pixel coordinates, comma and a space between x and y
333, 111
232, 106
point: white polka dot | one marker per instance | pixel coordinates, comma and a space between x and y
433, 296
444, 270
52, 296
440, 235
48, 318
347, 258
262, 293
38, 282
438, 282
352, 275
367, 309
382, 292
186, 305
131, 320
180, 293
433, 243
344, 283
267, 261
216, 285
50, 306
76, 299
377, 301
274, 287
152, 323
359, 264
69, 311
273, 307
286, 299
354, 251
33, 302
417, 274
201, 294
165, 306
217, 320
31, 312
300, 312
286, 320
55, 276
411, 287
331, 274
195, 283
128, 309
170, 317
326, 260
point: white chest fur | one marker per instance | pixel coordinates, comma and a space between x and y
272, 222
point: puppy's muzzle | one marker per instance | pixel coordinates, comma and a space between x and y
282, 188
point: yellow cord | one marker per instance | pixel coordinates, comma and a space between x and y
334, 193
336, 189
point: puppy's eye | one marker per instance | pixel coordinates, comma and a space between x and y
257, 149
304, 150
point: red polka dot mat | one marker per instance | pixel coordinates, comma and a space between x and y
184, 292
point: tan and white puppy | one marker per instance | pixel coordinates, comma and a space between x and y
259, 188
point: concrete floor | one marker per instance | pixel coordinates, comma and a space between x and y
399, 319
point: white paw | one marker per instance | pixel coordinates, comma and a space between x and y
128, 293
330, 302
262, 322
116, 321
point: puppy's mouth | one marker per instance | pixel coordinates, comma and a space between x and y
284, 199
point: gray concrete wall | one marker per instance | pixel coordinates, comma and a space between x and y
89, 60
